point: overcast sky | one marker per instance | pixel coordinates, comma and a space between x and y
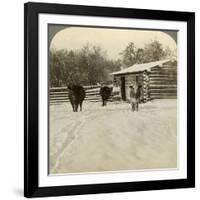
113, 41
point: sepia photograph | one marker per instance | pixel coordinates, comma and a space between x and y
109, 99
112, 99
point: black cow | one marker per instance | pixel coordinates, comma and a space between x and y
76, 96
105, 93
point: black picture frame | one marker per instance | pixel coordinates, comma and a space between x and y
31, 133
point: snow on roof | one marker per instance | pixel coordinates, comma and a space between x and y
140, 67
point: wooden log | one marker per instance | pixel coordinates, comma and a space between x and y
58, 95
58, 92
163, 86
162, 79
164, 97
58, 98
162, 75
163, 90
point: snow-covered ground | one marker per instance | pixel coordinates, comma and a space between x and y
113, 137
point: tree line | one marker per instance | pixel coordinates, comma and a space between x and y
90, 64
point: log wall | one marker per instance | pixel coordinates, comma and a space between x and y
163, 82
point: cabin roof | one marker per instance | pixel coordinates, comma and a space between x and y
140, 67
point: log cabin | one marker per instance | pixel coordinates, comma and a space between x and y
158, 80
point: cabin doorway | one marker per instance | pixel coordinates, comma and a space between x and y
123, 89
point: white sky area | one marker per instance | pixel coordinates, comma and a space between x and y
113, 41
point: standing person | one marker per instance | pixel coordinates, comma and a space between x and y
133, 99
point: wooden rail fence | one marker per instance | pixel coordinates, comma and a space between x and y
59, 95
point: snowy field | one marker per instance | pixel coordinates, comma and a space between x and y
113, 137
